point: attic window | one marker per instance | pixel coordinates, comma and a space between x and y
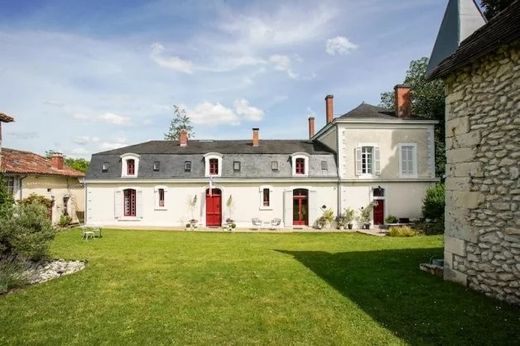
156, 166
187, 166
324, 166
104, 168
274, 165
236, 166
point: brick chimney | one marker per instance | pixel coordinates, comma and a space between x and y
256, 137
329, 108
183, 138
403, 101
57, 161
311, 127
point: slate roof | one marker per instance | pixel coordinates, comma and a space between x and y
25, 162
502, 29
371, 112
255, 162
5, 118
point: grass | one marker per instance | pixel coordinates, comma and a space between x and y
152, 287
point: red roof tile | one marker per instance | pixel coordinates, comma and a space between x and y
25, 162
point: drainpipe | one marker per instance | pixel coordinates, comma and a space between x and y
338, 167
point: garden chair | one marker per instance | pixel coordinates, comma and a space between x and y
275, 223
257, 223
97, 232
87, 234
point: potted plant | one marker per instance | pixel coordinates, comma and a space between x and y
365, 215
230, 224
326, 219
349, 217
340, 222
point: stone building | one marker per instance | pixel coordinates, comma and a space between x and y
482, 78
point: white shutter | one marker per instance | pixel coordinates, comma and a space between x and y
357, 152
314, 208
156, 198
139, 204
118, 204
288, 208
377, 164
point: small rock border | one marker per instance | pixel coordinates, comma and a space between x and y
39, 272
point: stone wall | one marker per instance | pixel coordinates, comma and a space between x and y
482, 241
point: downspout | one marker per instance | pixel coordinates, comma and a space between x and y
338, 168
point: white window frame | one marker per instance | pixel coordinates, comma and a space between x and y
124, 167
119, 211
208, 157
305, 158
261, 193
376, 160
156, 197
414, 160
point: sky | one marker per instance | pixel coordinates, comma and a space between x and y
86, 76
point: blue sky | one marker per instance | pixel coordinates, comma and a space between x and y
87, 76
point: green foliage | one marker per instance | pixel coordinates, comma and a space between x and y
366, 213
427, 103
434, 202
78, 164
6, 199
346, 217
391, 219
429, 228
37, 199
401, 231
65, 220
26, 233
180, 121
11, 274
493, 7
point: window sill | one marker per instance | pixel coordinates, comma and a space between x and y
265, 208
129, 218
408, 176
300, 175
129, 176
160, 209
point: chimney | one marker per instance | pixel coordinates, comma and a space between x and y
57, 161
403, 101
311, 127
329, 108
183, 138
256, 137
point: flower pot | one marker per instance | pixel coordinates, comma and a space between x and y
349, 226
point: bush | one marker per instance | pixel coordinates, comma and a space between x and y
391, 219
26, 233
402, 231
6, 199
433, 204
436, 227
65, 220
11, 274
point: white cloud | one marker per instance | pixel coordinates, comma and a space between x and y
283, 63
116, 143
339, 45
171, 62
84, 140
112, 118
212, 114
249, 112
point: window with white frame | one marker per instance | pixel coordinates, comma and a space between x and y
213, 164
300, 164
367, 160
265, 197
10, 181
130, 165
129, 202
408, 159
160, 197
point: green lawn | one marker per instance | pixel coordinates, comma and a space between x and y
144, 287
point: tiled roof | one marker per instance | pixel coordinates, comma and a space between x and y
6, 118
502, 29
25, 162
371, 112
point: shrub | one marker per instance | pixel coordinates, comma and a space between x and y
433, 204
402, 231
391, 219
436, 227
11, 274
65, 220
26, 233
6, 199
365, 213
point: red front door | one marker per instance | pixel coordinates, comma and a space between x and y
300, 207
379, 212
213, 208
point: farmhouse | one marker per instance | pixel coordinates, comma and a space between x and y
482, 238
366, 155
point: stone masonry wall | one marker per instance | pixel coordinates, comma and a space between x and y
482, 240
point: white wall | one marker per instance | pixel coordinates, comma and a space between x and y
246, 197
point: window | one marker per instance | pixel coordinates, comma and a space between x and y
161, 197
156, 166
324, 166
104, 169
408, 162
129, 203
274, 165
266, 197
130, 167
10, 185
213, 166
187, 166
367, 159
236, 166
300, 166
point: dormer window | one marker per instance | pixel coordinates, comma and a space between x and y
236, 166
187, 166
274, 165
104, 168
156, 166
130, 165
300, 164
213, 164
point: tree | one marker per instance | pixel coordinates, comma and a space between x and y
180, 121
6, 199
493, 7
427, 103
78, 164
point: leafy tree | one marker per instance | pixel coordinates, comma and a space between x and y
6, 199
434, 202
78, 164
180, 121
493, 7
427, 103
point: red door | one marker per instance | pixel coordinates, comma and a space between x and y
213, 208
300, 207
379, 212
